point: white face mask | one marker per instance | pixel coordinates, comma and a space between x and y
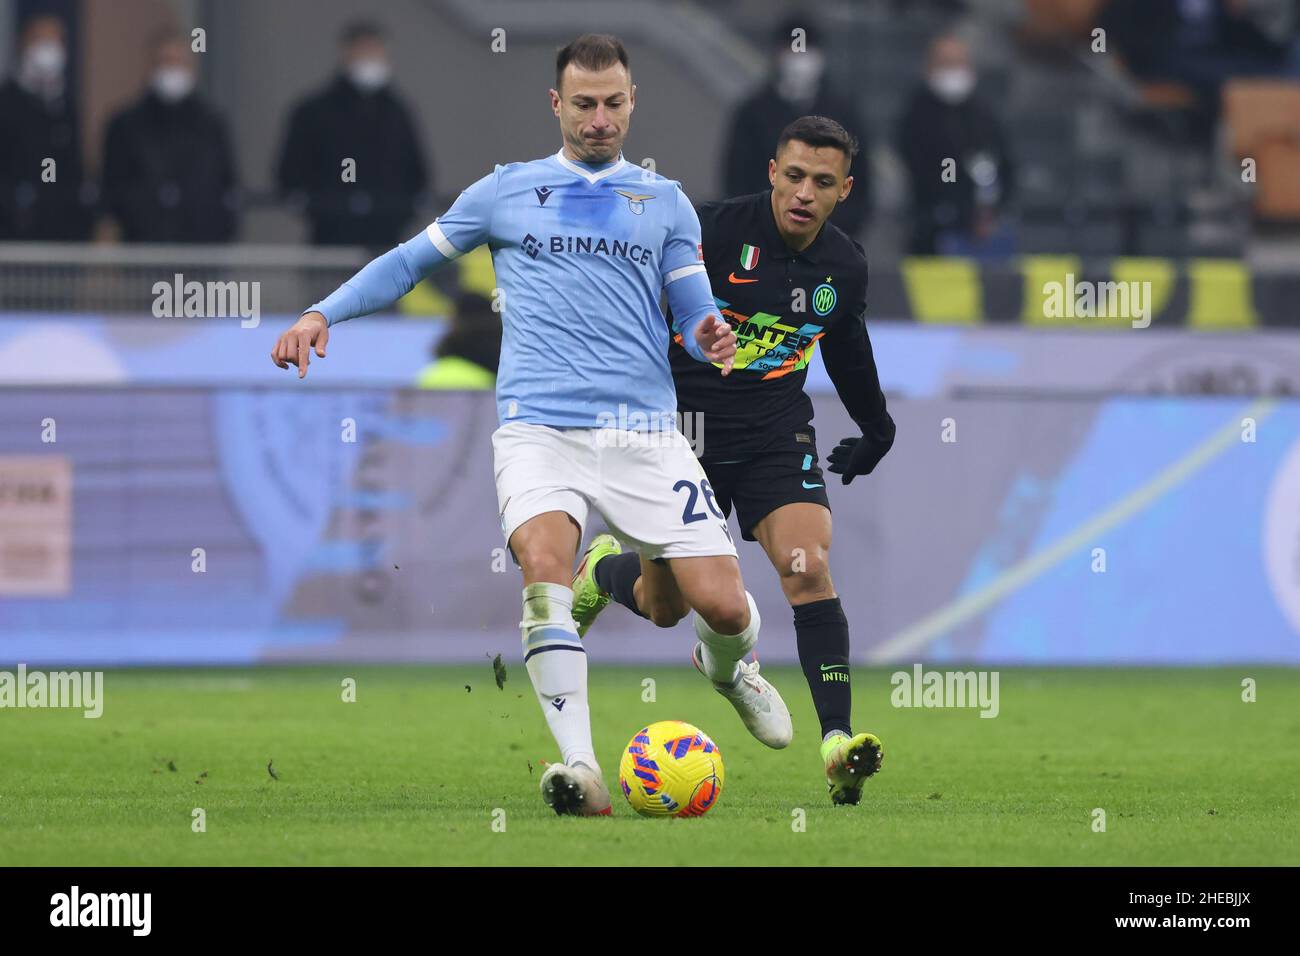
952, 84
369, 75
172, 83
45, 59
799, 74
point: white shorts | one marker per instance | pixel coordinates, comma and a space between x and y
648, 486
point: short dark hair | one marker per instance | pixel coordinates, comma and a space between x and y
360, 30
591, 51
819, 131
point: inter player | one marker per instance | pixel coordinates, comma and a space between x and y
785, 278
583, 244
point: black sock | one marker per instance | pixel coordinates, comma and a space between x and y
616, 575
822, 632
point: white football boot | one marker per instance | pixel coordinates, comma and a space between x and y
758, 703
575, 790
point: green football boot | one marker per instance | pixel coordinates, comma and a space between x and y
849, 762
588, 599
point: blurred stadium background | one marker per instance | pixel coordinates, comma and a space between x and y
1112, 495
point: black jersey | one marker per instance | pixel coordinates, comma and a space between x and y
780, 303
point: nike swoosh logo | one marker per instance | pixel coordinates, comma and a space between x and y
818, 485
732, 279
831, 667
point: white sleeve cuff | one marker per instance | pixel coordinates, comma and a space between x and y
440, 241
683, 272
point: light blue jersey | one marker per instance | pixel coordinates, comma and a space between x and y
582, 254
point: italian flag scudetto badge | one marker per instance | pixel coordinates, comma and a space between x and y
748, 257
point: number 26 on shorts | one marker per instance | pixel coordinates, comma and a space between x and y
689, 514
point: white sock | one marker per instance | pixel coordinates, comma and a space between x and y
557, 665
719, 653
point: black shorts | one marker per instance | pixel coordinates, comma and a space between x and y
759, 485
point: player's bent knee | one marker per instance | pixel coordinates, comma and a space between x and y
666, 613
725, 615
811, 564
540, 562
808, 578
740, 636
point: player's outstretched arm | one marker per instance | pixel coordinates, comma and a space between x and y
377, 286
387, 278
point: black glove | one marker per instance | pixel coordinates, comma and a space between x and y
859, 456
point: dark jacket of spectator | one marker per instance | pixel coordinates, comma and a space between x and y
758, 123
169, 175
376, 130
32, 130
1198, 43
931, 131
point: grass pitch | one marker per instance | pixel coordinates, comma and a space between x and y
412, 772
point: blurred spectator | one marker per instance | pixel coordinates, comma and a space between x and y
467, 355
945, 120
169, 175
1200, 44
797, 86
37, 123
356, 116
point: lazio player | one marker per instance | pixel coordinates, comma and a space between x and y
583, 244
786, 279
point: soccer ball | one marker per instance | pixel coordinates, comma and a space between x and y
671, 769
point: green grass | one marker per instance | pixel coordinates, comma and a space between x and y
1186, 772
